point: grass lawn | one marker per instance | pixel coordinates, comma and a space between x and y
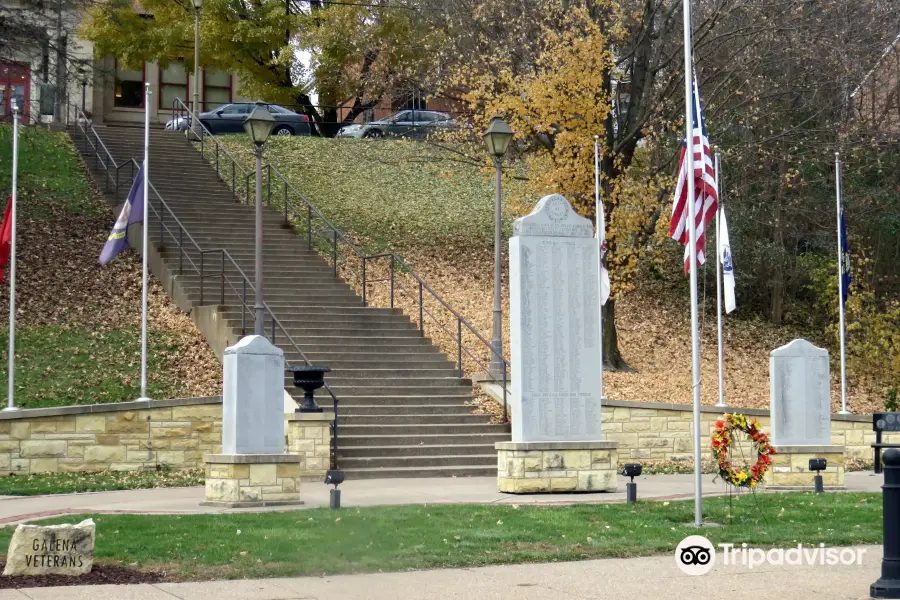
69, 483
392, 193
394, 538
61, 366
50, 176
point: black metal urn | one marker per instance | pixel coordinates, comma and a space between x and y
309, 378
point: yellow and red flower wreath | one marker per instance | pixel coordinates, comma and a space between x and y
723, 439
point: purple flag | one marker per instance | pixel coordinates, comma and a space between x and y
132, 212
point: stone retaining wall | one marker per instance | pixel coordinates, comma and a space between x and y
657, 431
126, 436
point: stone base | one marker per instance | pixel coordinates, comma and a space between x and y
557, 467
252, 480
790, 468
309, 437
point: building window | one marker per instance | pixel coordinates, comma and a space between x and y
216, 89
173, 83
129, 88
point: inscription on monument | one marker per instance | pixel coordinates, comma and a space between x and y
800, 395
554, 333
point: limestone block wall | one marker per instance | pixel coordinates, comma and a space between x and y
309, 436
126, 436
658, 431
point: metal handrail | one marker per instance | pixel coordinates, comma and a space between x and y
396, 260
165, 212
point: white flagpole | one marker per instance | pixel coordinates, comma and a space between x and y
599, 212
721, 403
145, 236
692, 229
11, 403
838, 186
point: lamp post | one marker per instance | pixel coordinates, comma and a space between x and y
496, 141
258, 126
195, 125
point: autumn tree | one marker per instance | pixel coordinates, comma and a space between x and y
359, 51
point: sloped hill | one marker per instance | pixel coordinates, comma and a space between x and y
434, 205
78, 324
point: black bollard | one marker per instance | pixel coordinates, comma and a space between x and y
820, 486
631, 492
888, 586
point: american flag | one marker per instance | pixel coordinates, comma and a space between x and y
705, 188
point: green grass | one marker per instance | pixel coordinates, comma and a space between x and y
391, 193
50, 177
70, 483
58, 366
394, 538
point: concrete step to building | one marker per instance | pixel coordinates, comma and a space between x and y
456, 450
338, 376
351, 343
349, 464
396, 388
409, 381
396, 472
381, 360
417, 430
397, 401
392, 410
445, 439
350, 419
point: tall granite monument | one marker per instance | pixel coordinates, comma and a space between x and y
800, 405
555, 350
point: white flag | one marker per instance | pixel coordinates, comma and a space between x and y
727, 265
604, 270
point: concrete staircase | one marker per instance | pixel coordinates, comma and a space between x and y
402, 406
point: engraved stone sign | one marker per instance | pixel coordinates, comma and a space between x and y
800, 397
51, 549
554, 331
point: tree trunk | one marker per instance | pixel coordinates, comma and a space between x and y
612, 358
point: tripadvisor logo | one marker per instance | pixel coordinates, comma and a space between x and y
696, 555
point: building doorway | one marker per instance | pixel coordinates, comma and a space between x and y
15, 84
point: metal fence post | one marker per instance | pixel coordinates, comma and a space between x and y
334, 249
421, 311
392, 280
268, 185
364, 279
181, 253
309, 226
243, 306
505, 416
201, 278
223, 278
459, 346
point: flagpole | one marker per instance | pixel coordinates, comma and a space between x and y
692, 229
840, 271
145, 245
721, 403
11, 403
599, 212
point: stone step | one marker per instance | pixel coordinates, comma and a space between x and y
412, 431
351, 419
457, 450
345, 440
395, 472
433, 376
385, 463
399, 388
394, 401
393, 410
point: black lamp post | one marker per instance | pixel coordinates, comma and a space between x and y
309, 379
496, 142
258, 126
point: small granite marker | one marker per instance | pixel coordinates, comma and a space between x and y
51, 549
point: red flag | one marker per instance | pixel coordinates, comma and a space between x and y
5, 237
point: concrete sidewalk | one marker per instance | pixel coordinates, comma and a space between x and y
610, 579
366, 492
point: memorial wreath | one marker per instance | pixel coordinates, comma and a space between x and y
723, 440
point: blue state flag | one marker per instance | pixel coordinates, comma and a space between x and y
132, 212
845, 261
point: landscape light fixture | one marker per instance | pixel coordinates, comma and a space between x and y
195, 125
496, 141
631, 470
334, 477
497, 138
817, 465
259, 124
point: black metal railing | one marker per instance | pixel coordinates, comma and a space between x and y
192, 258
340, 251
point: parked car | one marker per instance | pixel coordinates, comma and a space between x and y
230, 119
407, 123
